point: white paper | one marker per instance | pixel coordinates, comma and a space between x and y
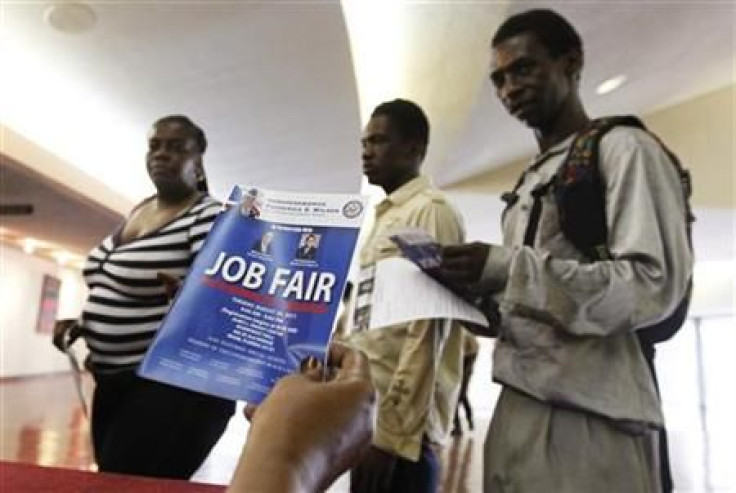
402, 293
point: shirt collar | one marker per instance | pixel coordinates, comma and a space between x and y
404, 193
556, 149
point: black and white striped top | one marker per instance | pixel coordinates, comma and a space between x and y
126, 301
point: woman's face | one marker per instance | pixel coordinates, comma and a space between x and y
173, 161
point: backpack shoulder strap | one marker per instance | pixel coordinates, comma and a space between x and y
580, 194
579, 190
510, 198
581, 204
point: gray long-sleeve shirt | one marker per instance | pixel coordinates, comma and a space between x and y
567, 331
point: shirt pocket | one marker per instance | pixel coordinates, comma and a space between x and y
382, 246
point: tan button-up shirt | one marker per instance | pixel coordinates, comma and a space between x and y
567, 331
416, 367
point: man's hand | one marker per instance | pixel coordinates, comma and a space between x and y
66, 331
461, 271
462, 268
307, 431
373, 474
463, 265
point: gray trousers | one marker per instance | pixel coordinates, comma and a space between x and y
535, 447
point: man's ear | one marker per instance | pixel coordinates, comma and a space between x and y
199, 168
416, 150
574, 64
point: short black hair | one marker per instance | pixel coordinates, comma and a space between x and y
408, 118
550, 28
195, 133
194, 130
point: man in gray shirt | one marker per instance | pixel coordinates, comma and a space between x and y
579, 410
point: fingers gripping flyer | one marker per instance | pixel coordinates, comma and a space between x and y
262, 294
398, 290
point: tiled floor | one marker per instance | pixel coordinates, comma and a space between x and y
42, 423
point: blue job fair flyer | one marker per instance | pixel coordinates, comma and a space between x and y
261, 295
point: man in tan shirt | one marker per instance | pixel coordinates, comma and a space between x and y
416, 367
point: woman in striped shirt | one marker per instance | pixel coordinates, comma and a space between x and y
141, 426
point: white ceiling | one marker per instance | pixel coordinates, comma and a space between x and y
272, 82
274, 86
669, 51
53, 206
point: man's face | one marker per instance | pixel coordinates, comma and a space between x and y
386, 156
531, 84
311, 241
172, 159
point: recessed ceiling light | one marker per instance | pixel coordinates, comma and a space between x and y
29, 245
610, 85
70, 17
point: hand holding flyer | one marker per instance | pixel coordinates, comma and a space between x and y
398, 290
418, 246
262, 294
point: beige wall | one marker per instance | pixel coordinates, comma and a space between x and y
24, 351
496, 181
700, 131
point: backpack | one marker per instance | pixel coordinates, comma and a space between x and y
579, 193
